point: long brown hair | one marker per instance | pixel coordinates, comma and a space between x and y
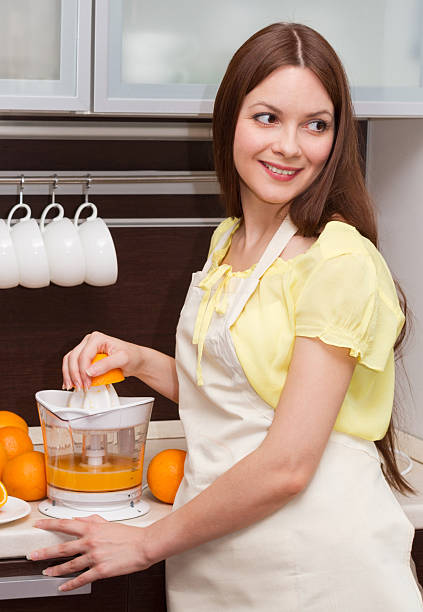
339, 190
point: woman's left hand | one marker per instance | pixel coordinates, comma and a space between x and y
105, 549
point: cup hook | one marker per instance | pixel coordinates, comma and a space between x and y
87, 187
21, 189
53, 191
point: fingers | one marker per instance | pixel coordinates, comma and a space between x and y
76, 362
70, 369
69, 526
115, 359
89, 576
74, 565
93, 518
64, 549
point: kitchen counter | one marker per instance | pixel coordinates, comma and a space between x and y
20, 537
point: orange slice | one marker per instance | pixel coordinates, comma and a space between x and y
3, 494
110, 377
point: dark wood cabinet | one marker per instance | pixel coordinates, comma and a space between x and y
417, 554
139, 591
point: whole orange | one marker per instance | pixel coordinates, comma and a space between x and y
15, 441
3, 459
10, 419
25, 476
165, 472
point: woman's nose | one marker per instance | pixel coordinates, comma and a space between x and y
286, 143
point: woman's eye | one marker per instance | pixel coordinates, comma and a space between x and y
266, 118
318, 125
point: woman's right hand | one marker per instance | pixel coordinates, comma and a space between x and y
77, 369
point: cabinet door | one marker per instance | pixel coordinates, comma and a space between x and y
146, 590
108, 595
45, 55
166, 58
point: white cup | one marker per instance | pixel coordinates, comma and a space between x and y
101, 267
64, 249
30, 250
9, 271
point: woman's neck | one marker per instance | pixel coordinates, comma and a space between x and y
260, 222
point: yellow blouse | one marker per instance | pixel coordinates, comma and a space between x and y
341, 291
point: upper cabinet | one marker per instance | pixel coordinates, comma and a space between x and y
45, 55
167, 58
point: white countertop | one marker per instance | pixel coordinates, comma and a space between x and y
20, 537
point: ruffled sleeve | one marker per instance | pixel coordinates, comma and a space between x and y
344, 303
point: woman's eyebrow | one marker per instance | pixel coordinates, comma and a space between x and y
278, 111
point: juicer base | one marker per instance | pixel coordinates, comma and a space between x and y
129, 511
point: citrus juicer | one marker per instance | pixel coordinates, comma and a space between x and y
94, 450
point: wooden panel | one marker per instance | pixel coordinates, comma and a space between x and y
104, 155
147, 590
124, 206
38, 326
417, 553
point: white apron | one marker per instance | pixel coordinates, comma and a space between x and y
341, 545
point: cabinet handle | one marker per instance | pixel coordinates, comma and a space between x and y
22, 587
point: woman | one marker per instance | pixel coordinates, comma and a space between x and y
284, 368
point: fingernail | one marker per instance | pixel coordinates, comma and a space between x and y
32, 556
29, 557
91, 371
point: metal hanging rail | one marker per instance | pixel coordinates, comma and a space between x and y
159, 177
87, 181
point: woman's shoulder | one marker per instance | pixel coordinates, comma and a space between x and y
357, 255
339, 237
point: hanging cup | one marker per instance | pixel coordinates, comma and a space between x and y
101, 267
64, 249
9, 271
30, 250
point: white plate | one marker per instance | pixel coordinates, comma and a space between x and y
14, 509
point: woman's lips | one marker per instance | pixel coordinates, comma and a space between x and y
281, 173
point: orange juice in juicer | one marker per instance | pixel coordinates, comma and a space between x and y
94, 449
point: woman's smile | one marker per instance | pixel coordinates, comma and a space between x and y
280, 173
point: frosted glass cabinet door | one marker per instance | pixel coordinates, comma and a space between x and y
168, 57
45, 54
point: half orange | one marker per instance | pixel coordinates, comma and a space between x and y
108, 378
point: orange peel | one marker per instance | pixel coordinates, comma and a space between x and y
3, 494
108, 378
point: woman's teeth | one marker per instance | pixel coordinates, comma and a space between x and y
278, 170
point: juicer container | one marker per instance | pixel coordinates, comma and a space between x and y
94, 462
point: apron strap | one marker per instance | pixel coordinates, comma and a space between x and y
280, 239
220, 244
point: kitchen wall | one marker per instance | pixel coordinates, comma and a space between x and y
395, 180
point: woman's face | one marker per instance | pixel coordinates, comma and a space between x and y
283, 136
